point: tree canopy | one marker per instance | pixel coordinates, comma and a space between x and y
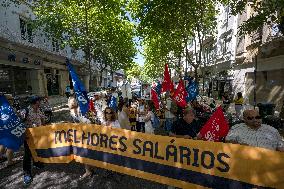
100, 28
167, 26
264, 12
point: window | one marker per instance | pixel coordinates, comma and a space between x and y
30, 33
26, 30
223, 46
226, 15
55, 45
23, 27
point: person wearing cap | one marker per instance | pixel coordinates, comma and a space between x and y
34, 118
187, 126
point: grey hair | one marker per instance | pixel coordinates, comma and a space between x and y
188, 110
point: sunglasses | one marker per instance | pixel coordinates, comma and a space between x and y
109, 113
256, 117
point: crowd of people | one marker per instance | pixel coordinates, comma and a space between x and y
140, 115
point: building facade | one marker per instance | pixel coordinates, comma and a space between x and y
218, 55
260, 64
29, 61
252, 64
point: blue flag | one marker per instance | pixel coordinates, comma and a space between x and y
12, 129
80, 91
113, 103
158, 88
191, 89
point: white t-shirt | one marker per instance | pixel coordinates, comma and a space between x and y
123, 91
148, 125
98, 104
113, 124
141, 108
73, 106
265, 136
169, 114
123, 120
129, 92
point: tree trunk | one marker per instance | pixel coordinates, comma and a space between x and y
88, 46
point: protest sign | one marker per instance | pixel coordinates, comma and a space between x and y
183, 163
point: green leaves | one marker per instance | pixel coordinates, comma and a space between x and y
263, 12
99, 28
166, 26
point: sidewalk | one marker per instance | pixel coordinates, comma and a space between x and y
57, 102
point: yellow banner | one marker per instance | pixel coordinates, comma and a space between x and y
173, 161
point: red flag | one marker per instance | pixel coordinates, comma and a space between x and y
216, 127
167, 84
155, 99
91, 106
180, 94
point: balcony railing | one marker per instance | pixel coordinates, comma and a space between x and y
256, 36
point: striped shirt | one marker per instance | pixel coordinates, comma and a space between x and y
265, 136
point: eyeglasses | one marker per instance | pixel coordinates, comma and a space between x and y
251, 118
109, 113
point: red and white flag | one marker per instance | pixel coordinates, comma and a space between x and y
180, 94
155, 99
216, 127
167, 84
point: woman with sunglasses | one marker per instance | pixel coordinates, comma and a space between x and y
110, 119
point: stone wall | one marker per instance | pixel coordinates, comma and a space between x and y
269, 87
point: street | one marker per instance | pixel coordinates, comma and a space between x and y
59, 176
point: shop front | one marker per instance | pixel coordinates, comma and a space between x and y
14, 80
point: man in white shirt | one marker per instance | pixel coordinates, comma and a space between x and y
140, 127
170, 117
254, 133
98, 104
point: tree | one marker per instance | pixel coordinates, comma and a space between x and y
136, 71
167, 26
99, 28
265, 12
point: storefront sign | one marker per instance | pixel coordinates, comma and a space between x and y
4, 75
25, 60
12, 57
36, 62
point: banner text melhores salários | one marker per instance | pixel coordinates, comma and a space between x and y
181, 154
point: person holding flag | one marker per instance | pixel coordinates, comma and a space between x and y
191, 89
167, 84
34, 118
83, 108
11, 130
180, 94
170, 111
79, 89
216, 128
187, 127
113, 100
